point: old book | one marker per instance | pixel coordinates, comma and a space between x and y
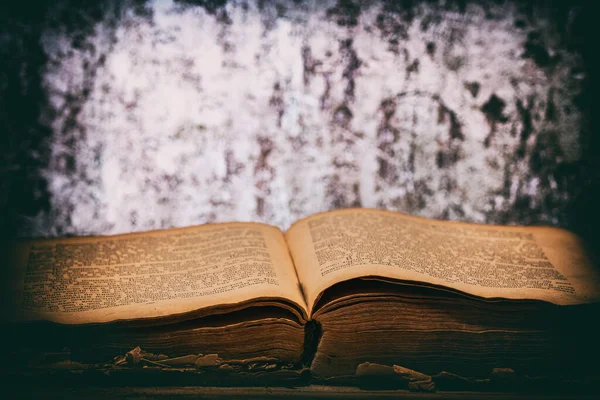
337, 290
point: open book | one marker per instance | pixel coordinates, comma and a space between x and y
336, 290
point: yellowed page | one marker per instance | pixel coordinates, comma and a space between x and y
483, 260
151, 274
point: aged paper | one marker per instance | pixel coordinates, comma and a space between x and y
153, 274
488, 261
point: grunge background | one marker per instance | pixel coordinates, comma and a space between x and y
127, 116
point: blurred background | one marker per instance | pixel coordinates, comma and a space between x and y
121, 116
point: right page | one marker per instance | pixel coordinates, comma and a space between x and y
489, 261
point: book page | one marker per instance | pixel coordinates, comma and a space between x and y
483, 260
151, 274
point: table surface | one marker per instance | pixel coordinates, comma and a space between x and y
306, 392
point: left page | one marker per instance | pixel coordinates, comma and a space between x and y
150, 274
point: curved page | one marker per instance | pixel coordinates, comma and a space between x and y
151, 274
513, 262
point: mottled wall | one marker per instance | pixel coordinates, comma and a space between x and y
141, 115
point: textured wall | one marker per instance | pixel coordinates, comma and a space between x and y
160, 114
